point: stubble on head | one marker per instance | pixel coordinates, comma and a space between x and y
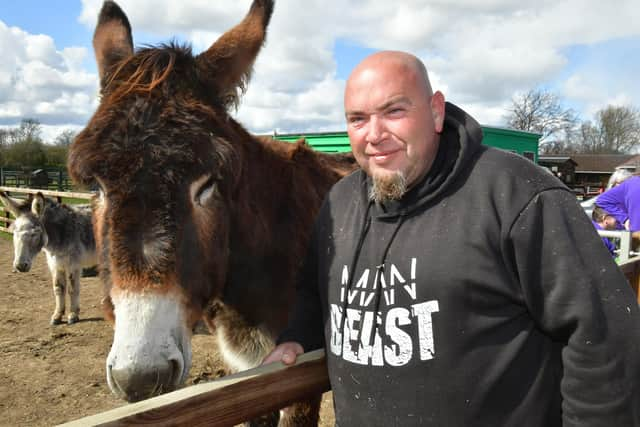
388, 187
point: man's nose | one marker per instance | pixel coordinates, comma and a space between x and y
375, 130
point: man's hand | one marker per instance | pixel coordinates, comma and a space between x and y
287, 352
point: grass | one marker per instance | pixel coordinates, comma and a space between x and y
72, 201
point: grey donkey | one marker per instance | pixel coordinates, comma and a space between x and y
65, 234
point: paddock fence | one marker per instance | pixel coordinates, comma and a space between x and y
20, 193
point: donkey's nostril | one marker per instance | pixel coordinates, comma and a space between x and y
22, 267
140, 384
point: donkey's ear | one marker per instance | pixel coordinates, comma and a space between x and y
37, 205
226, 66
11, 204
112, 41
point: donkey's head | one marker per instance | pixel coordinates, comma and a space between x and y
29, 235
163, 150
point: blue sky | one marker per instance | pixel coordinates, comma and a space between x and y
479, 53
57, 18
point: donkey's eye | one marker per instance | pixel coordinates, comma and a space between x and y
203, 189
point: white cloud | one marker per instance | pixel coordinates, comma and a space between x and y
41, 82
479, 53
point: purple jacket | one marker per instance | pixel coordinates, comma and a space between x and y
607, 242
623, 202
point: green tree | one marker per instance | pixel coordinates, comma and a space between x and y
4, 141
25, 148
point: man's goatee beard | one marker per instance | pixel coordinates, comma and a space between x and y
387, 187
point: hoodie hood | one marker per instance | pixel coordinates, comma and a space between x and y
460, 139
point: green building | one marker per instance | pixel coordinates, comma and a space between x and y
523, 143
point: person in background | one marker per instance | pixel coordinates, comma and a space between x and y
603, 221
618, 177
454, 284
623, 203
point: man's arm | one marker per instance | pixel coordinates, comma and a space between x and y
578, 296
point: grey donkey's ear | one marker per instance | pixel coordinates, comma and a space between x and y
37, 205
15, 206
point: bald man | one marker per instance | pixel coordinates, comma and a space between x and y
453, 284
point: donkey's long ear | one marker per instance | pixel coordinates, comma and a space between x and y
226, 66
11, 204
37, 205
112, 40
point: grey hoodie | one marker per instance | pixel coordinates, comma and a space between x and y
483, 298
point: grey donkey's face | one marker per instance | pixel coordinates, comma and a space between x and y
28, 239
29, 235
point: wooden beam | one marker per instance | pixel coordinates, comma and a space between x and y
631, 270
227, 401
49, 193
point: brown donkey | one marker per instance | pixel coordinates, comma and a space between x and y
195, 217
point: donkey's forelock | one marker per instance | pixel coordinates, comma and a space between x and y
166, 68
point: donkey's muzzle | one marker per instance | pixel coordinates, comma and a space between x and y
139, 384
22, 267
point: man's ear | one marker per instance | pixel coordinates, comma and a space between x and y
437, 109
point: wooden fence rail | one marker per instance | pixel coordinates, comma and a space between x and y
228, 401
631, 270
50, 193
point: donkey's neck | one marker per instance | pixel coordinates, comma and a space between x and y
267, 207
282, 189
65, 228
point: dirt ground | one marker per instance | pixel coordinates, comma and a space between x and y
55, 374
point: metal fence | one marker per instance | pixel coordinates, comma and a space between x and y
41, 178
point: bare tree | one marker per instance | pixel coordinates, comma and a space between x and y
65, 138
30, 129
616, 130
542, 112
57, 152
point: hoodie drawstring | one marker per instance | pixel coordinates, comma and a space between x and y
381, 272
363, 232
